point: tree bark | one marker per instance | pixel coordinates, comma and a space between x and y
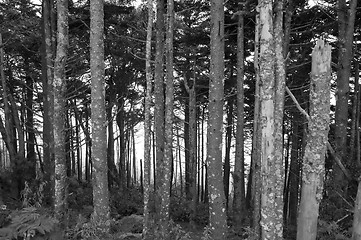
48, 45
147, 124
168, 125
217, 211
59, 86
239, 213
101, 212
346, 21
314, 157
227, 155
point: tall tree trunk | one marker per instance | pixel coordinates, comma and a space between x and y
356, 226
355, 117
192, 147
101, 212
147, 124
254, 183
280, 80
187, 160
59, 86
227, 155
48, 46
168, 127
159, 103
29, 125
294, 172
318, 126
239, 213
122, 148
346, 21
272, 76
217, 211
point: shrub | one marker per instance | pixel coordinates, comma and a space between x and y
27, 223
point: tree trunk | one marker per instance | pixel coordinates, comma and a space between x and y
48, 46
192, 147
59, 86
217, 211
239, 212
159, 104
346, 21
101, 212
294, 173
147, 124
356, 226
314, 158
227, 157
254, 183
280, 80
272, 77
29, 125
168, 126
355, 117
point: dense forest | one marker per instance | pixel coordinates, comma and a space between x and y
186, 119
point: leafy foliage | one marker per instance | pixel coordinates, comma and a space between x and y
88, 229
27, 223
33, 195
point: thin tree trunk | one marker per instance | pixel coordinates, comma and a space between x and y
294, 172
314, 158
254, 183
346, 21
192, 148
159, 103
147, 124
355, 116
239, 213
356, 226
227, 157
48, 45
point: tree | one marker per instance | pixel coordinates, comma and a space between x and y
147, 122
217, 211
238, 176
165, 180
272, 78
317, 139
48, 46
98, 115
59, 86
346, 20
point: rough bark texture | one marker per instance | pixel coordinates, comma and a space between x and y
254, 184
280, 77
98, 114
272, 78
168, 127
217, 210
346, 21
267, 79
47, 77
192, 147
356, 226
159, 102
239, 213
294, 173
59, 86
315, 150
147, 123
227, 154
